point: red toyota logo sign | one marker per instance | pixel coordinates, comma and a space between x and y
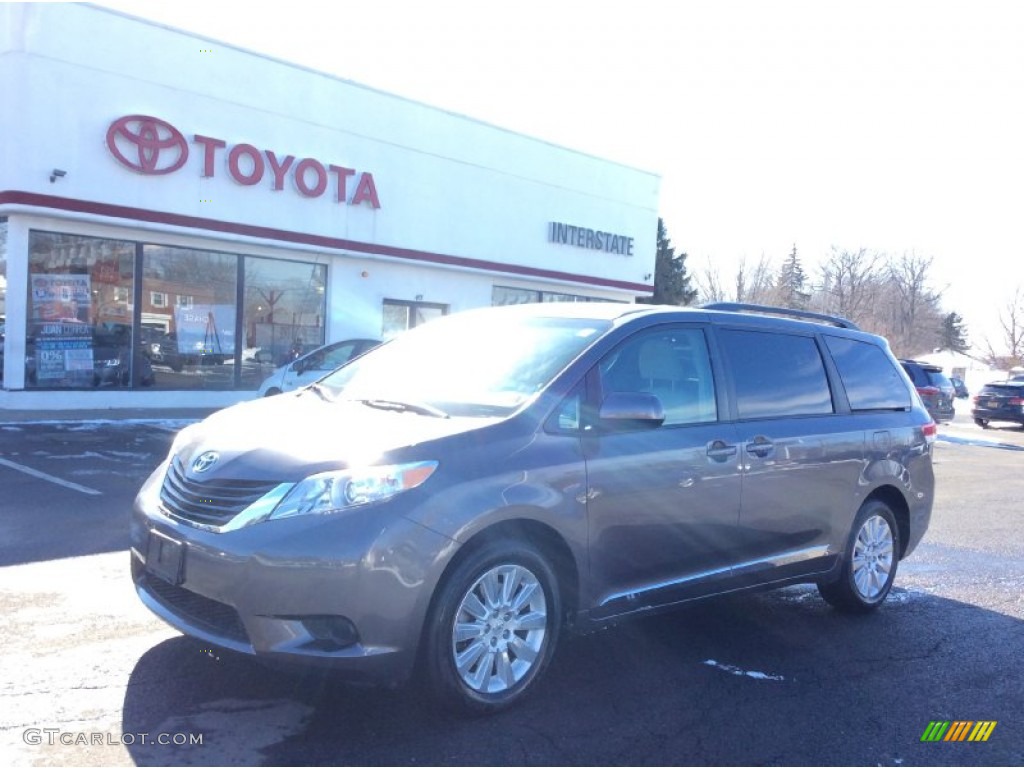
147, 144
154, 147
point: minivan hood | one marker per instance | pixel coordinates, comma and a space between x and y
291, 436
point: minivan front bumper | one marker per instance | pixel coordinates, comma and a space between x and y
348, 591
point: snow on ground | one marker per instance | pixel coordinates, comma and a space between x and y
742, 672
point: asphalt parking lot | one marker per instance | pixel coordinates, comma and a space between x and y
766, 679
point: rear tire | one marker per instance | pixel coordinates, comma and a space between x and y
493, 627
869, 561
983, 423
271, 392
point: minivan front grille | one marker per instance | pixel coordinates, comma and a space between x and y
210, 502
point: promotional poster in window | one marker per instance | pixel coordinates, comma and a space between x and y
60, 332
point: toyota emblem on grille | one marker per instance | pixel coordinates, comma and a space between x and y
204, 461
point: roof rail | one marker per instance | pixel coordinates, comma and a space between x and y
761, 309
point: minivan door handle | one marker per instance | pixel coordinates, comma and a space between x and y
720, 450
760, 446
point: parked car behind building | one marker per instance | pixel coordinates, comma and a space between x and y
178, 354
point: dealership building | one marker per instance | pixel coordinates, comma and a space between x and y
178, 216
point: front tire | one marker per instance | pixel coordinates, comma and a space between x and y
869, 562
493, 627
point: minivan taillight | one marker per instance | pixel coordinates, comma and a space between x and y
929, 391
930, 431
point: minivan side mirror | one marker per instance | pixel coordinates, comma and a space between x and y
631, 410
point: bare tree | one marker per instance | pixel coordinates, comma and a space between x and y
849, 279
1011, 320
916, 314
890, 296
751, 286
709, 285
757, 285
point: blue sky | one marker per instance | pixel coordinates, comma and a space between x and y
892, 126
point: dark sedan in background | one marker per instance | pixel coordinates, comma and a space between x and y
999, 401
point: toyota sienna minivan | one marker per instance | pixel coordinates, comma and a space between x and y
453, 500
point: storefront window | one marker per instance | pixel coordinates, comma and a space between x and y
190, 344
79, 330
285, 306
503, 295
85, 329
402, 315
571, 297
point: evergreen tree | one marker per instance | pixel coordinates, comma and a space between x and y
792, 283
671, 281
954, 335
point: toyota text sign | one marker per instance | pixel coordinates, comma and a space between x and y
154, 147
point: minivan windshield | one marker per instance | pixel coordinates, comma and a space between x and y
465, 365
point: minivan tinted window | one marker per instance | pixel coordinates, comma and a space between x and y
870, 379
776, 374
671, 363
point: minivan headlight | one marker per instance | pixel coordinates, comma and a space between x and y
343, 489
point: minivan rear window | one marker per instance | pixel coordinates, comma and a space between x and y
776, 374
870, 379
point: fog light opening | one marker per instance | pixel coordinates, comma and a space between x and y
330, 633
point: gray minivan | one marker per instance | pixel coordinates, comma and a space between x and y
454, 499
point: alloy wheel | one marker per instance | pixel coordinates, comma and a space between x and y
873, 554
499, 629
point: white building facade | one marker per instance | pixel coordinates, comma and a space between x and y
178, 216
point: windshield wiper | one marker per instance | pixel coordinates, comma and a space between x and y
397, 405
321, 391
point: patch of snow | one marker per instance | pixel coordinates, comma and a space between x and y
798, 594
130, 455
83, 455
900, 596
742, 672
92, 425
